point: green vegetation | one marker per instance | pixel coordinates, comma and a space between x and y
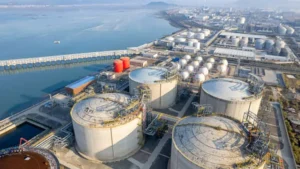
292, 83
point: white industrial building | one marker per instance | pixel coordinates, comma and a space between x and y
241, 35
162, 83
211, 142
230, 97
107, 126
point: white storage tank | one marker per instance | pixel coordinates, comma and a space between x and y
290, 30
190, 34
182, 62
178, 66
199, 78
199, 58
269, 44
190, 68
280, 44
203, 70
196, 64
170, 38
211, 142
100, 133
200, 36
162, 84
197, 45
281, 30
243, 43
224, 61
184, 75
187, 57
190, 43
180, 40
230, 97
208, 65
206, 32
259, 44
222, 68
235, 41
211, 60
242, 20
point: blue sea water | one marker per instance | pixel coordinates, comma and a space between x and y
31, 32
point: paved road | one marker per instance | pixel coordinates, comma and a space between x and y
286, 153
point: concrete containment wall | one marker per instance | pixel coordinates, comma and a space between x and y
110, 143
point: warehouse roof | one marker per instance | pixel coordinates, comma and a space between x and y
227, 89
211, 141
100, 108
81, 82
148, 75
243, 35
225, 51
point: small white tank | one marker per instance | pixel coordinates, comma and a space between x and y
182, 62
290, 30
200, 36
280, 44
199, 78
224, 62
190, 34
190, 68
199, 58
269, 44
211, 60
197, 45
208, 65
222, 68
206, 32
190, 43
180, 40
170, 38
227, 36
259, 44
235, 41
184, 75
187, 57
196, 64
178, 66
282, 30
203, 70
184, 33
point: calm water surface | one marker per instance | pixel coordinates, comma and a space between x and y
30, 33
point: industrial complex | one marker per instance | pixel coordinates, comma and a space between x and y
210, 95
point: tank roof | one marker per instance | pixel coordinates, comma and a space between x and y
227, 89
148, 75
211, 141
31, 158
100, 108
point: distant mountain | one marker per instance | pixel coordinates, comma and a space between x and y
267, 3
159, 4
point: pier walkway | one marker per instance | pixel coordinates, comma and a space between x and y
63, 59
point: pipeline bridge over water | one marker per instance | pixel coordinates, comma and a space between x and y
14, 64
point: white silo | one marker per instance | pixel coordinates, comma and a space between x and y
187, 57
242, 20
162, 84
190, 43
170, 38
197, 45
184, 33
103, 130
182, 62
199, 78
211, 60
200, 36
190, 34
203, 70
190, 68
290, 30
243, 43
184, 75
259, 44
199, 58
180, 40
281, 30
208, 65
269, 44
235, 41
228, 37
224, 61
222, 68
178, 66
196, 64
206, 32
280, 44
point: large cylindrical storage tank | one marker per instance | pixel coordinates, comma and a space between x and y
199, 78
208, 65
197, 45
196, 64
190, 68
224, 61
281, 30
276, 51
190, 34
259, 44
269, 44
235, 41
118, 66
200, 36
126, 62
199, 58
187, 57
184, 75
230, 97
163, 85
222, 68
280, 44
103, 130
203, 70
182, 62
211, 142
290, 30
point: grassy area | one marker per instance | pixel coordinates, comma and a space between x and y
292, 83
